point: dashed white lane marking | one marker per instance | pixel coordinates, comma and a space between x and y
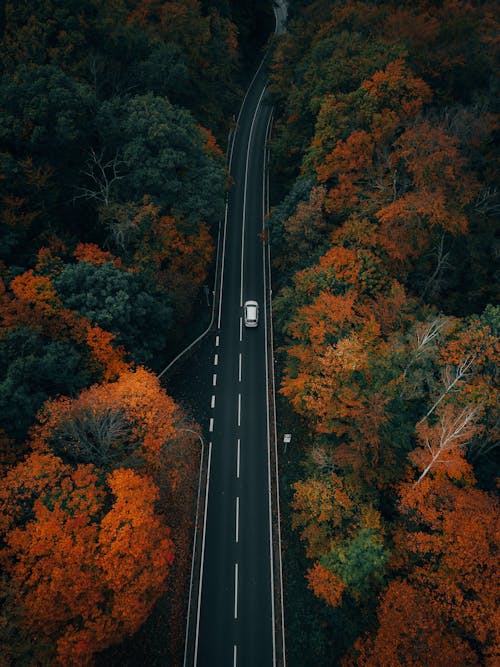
216, 360
212, 404
241, 329
211, 428
237, 518
214, 379
236, 590
239, 368
217, 341
238, 460
235, 655
239, 409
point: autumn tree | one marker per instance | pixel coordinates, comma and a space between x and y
129, 422
87, 555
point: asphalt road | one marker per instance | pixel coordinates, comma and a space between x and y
235, 617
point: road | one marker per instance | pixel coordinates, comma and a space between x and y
235, 618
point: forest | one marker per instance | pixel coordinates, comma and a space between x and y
114, 117
113, 120
384, 241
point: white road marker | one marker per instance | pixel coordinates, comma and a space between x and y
239, 369
217, 341
245, 188
211, 428
238, 461
235, 654
241, 329
212, 405
239, 409
216, 360
214, 379
200, 587
236, 591
237, 518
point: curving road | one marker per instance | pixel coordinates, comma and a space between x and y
235, 617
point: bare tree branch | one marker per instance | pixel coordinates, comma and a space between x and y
451, 376
102, 176
454, 432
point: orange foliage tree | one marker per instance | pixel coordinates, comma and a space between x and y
87, 554
410, 634
127, 422
453, 543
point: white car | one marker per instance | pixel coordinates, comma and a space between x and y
251, 313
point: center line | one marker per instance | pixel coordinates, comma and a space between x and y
237, 518
239, 409
241, 329
217, 341
239, 369
238, 460
212, 405
236, 590
214, 379
216, 360
234, 655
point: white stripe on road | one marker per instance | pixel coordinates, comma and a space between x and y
238, 460
212, 405
235, 654
239, 409
239, 368
202, 556
249, 145
237, 518
216, 360
241, 329
214, 379
211, 428
267, 402
236, 590
217, 341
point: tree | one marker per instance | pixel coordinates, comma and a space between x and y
124, 303
87, 555
129, 422
163, 155
34, 368
452, 542
410, 634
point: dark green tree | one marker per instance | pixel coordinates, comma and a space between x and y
164, 155
123, 302
33, 369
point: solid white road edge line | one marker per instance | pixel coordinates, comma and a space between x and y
267, 402
245, 192
202, 557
